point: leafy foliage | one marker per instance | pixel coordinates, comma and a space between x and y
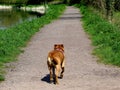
117, 5
23, 1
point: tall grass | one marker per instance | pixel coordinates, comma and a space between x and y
105, 36
13, 39
116, 18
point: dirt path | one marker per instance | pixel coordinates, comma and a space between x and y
82, 71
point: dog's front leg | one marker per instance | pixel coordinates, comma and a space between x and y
61, 75
63, 69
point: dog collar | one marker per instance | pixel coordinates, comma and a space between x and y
60, 50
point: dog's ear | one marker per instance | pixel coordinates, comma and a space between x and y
55, 45
62, 45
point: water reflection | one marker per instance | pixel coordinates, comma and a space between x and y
10, 18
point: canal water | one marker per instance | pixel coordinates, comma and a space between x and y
9, 18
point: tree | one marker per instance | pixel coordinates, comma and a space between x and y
109, 9
117, 4
106, 6
71, 2
35, 1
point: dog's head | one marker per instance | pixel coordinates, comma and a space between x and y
59, 47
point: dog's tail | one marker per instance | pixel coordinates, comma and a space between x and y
51, 61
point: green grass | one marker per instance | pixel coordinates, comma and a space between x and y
105, 36
13, 39
116, 18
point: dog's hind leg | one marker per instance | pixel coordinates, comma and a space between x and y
57, 73
50, 67
51, 74
63, 69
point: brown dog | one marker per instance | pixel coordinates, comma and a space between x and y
56, 62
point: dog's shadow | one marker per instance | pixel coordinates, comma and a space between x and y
46, 78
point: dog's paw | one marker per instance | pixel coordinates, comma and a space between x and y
61, 76
56, 83
51, 82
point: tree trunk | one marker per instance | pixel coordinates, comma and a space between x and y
109, 9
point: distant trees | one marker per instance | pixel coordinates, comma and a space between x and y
70, 2
117, 5
23, 1
13, 1
107, 6
35, 1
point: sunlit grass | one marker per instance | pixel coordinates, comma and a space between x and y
105, 36
116, 18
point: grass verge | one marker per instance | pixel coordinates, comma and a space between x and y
105, 36
13, 39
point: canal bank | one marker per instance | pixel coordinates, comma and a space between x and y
9, 7
11, 15
40, 9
